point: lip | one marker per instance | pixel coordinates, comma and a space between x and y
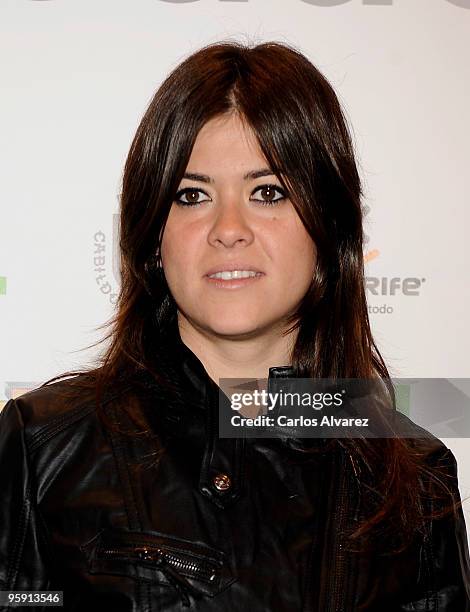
234, 283
230, 267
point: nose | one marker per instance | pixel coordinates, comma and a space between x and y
230, 225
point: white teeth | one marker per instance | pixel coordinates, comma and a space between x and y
234, 274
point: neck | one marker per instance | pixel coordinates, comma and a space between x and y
243, 356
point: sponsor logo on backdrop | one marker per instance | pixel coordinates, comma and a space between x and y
106, 261
324, 3
3, 285
386, 286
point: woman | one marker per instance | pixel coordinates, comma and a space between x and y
118, 489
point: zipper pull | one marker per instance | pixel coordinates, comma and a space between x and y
177, 580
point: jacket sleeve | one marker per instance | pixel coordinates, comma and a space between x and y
24, 552
449, 549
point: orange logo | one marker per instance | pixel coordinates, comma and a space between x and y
370, 255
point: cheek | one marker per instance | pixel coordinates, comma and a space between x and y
179, 250
294, 251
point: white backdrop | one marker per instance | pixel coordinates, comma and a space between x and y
76, 76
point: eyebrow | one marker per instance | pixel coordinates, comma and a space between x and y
203, 178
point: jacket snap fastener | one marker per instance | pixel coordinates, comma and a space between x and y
222, 482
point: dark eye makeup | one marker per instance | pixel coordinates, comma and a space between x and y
270, 187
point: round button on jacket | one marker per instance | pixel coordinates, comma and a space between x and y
222, 482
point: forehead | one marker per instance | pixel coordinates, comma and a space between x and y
225, 139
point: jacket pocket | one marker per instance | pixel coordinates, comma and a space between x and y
190, 567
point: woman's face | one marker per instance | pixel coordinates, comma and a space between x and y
229, 218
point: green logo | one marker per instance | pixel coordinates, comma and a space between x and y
403, 398
3, 285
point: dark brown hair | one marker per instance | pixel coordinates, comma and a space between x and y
303, 134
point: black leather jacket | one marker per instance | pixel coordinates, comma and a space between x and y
79, 515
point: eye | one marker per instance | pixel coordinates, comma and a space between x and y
190, 201
270, 191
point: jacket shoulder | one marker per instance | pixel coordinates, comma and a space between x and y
420, 439
47, 410
437, 457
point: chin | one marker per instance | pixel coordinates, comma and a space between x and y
230, 327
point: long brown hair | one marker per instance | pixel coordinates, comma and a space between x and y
303, 133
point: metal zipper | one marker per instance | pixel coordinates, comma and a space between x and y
159, 556
170, 563
336, 567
